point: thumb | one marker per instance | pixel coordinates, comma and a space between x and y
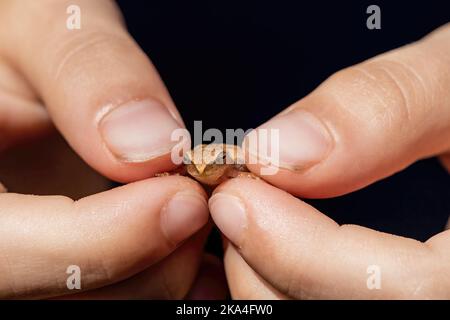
111, 236
100, 89
365, 122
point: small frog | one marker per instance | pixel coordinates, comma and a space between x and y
214, 163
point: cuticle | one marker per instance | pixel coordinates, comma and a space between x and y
110, 107
330, 136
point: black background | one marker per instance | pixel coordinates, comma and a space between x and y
236, 64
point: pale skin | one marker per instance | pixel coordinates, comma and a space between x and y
380, 116
91, 84
124, 240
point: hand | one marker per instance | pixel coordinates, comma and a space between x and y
130, 242
98, 88
361, 125
126, 241
100, 91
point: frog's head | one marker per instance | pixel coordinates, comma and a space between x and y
209, 163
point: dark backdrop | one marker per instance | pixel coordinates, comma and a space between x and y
236, 64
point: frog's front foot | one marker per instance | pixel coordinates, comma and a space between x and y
166, 174
247, 175
180, 171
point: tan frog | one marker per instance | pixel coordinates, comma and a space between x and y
215, 163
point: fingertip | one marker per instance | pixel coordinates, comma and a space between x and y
138, 131
295, 140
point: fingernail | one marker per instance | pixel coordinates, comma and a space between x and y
184, 214
303, 141
228, 213
138, 130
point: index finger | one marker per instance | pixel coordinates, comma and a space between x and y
101, 91
311, 256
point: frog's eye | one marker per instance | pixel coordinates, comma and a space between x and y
225, 158
221, 158
187, 158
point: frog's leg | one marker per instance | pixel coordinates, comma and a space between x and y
180, 171
251, 175
241, 171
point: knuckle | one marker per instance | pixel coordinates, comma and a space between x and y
386, 92
430, 287
73, 54
395, 89
425, 277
